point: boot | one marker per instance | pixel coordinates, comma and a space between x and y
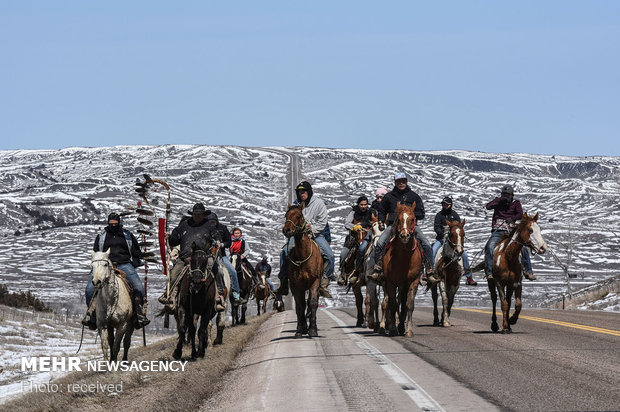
489, 276
429, 276
323, 287
283, 289
470, 280
341, 280
377, 272
89, 320
141, 320
219, 302
529, 275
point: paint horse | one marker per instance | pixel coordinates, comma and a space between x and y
373, 289
304, 271
507, 268
403, 269
449, 269
350, 271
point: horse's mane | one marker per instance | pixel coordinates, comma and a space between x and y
293, 207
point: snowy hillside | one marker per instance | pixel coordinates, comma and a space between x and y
53, 203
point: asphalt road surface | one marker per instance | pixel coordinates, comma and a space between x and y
553, 360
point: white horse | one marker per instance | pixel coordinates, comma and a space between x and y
113, 307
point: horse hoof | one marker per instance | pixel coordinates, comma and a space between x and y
298, 335
512, 320
401, 329
393, 332
364, 325
436, 323
359, 324
446, 324
381, 331
504, 331
313, 333
409, 334
176, 354
494, 327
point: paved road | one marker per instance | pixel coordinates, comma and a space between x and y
552, 361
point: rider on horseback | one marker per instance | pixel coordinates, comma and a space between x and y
315, 214
264, 268
361, 214
379, 194
226, 239
401, 194
195, 230
237, 247
447, 214
506, 211
125, 255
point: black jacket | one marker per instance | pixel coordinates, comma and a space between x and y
189, 232
222, 230
394, 198
440, 221
375, 205
119, 249
260, 267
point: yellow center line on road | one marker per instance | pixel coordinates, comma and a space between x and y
551, 321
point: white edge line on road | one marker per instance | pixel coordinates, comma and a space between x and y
411, 388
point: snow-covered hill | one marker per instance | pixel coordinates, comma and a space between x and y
53, 203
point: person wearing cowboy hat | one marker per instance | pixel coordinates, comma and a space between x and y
447, 214
401, 194
194, 230
506, 211
125, 255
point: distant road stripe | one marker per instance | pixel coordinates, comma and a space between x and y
553, 322
411, 388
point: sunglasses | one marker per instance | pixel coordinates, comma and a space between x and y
399, 181
379, 197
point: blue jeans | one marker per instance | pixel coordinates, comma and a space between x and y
490, 247
132, 277
439, 243
385, 237
326, 252
234, 282
270, 283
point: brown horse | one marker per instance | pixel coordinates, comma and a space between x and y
262, 291
507, 269
403, 268
245, 281
350, 270
304, 270
449, 266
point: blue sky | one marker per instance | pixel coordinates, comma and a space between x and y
528, 76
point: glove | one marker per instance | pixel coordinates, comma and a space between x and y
504, 201
357, 227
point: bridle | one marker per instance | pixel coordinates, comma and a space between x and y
298, 230
454, 257
205, 274
108, 281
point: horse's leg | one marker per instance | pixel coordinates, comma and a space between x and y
451, 291
202, 336
221, 324
105, 346
300, 311
393, 308
127, 341
435, 296
181, 334
445, 320
493, 291
410, 302
192, 334
111, 343
118, 338
313, 301
371, 293
515, 316
367, 305
505, 307
385, 314
244, 308
509, 291
357, 291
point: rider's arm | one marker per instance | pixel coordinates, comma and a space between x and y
96, 245
515, 211
438, 226
348, 222
419, 208
493, 203
175, 237
318, 220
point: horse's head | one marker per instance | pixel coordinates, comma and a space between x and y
455, 236
295, 221
200, 266
377, 226
530, 233
404, 226
102, 267
359, 234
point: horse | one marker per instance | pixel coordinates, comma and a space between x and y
245, 287
372, 287
449, 269
220, 319
196, 300
349, 269
113, 306
262, 293
403, 269
507, 268
304, 271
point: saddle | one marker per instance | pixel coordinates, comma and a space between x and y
122, 276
